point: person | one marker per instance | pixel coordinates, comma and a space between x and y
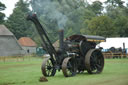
28, 51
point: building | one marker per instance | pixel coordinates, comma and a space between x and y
8, 43
28, 45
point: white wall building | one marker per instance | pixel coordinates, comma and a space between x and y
28, 45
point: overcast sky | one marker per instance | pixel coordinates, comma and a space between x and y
10, 4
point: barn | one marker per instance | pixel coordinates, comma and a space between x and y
28, 45
8, 43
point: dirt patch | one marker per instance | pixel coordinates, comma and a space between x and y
43, 79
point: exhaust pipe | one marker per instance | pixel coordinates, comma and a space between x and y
61, 40
123, 47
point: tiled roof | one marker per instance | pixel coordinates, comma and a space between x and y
4, 30
26, 41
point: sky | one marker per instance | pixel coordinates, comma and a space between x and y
10, 4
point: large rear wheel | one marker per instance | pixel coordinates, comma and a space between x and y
94, 61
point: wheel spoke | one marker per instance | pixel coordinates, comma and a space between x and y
98, 66
94, 61
68, 67
48, 68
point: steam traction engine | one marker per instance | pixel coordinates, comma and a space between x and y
75, 54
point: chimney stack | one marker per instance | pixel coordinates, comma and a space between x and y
61, 39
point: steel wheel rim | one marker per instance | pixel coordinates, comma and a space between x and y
68, 68
48, 68
94, 61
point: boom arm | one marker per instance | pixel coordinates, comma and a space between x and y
47, 45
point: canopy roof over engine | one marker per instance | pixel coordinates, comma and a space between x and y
88, 38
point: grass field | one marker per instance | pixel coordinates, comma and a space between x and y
28, 73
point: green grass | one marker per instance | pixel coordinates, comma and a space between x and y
28, 73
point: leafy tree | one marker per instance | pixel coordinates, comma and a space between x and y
80, 17
17, 21
96, 7
115, 3
60, 14
110, 2
121, 24
119, 14
69, 32
2, 15
101, 25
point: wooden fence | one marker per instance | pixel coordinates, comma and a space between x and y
29, 57
14, 59
114, 55
5, 59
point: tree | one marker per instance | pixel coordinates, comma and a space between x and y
60, 14
2, 15
115, 3
118, 13
69, 32
17, 21
121, 24
97, 7
101, 25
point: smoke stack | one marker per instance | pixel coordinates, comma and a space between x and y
61, 39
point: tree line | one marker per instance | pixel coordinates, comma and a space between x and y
108, 19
